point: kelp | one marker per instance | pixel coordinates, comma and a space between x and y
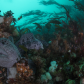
79, 20
39, 30
14, 21
80, 28
78, 6
23, 48
55, 21
67, 12
58, 28
8, 13
12, 28
20, 17
38, 26
48, 25
57, 18
71, 0
25, 30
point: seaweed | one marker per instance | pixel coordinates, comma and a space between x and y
58, 28
55, 21
67, 12
20, 17
57, 17
48, 25
24, 31
24, 48
78, 6
38, 26
8, 13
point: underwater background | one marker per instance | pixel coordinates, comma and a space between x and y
41, 41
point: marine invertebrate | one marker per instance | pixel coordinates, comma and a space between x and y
24, 73
82, 80
24, 70
8, 54
3, 74
8, 20
13, 73
4, 34
5, 22
53, 66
